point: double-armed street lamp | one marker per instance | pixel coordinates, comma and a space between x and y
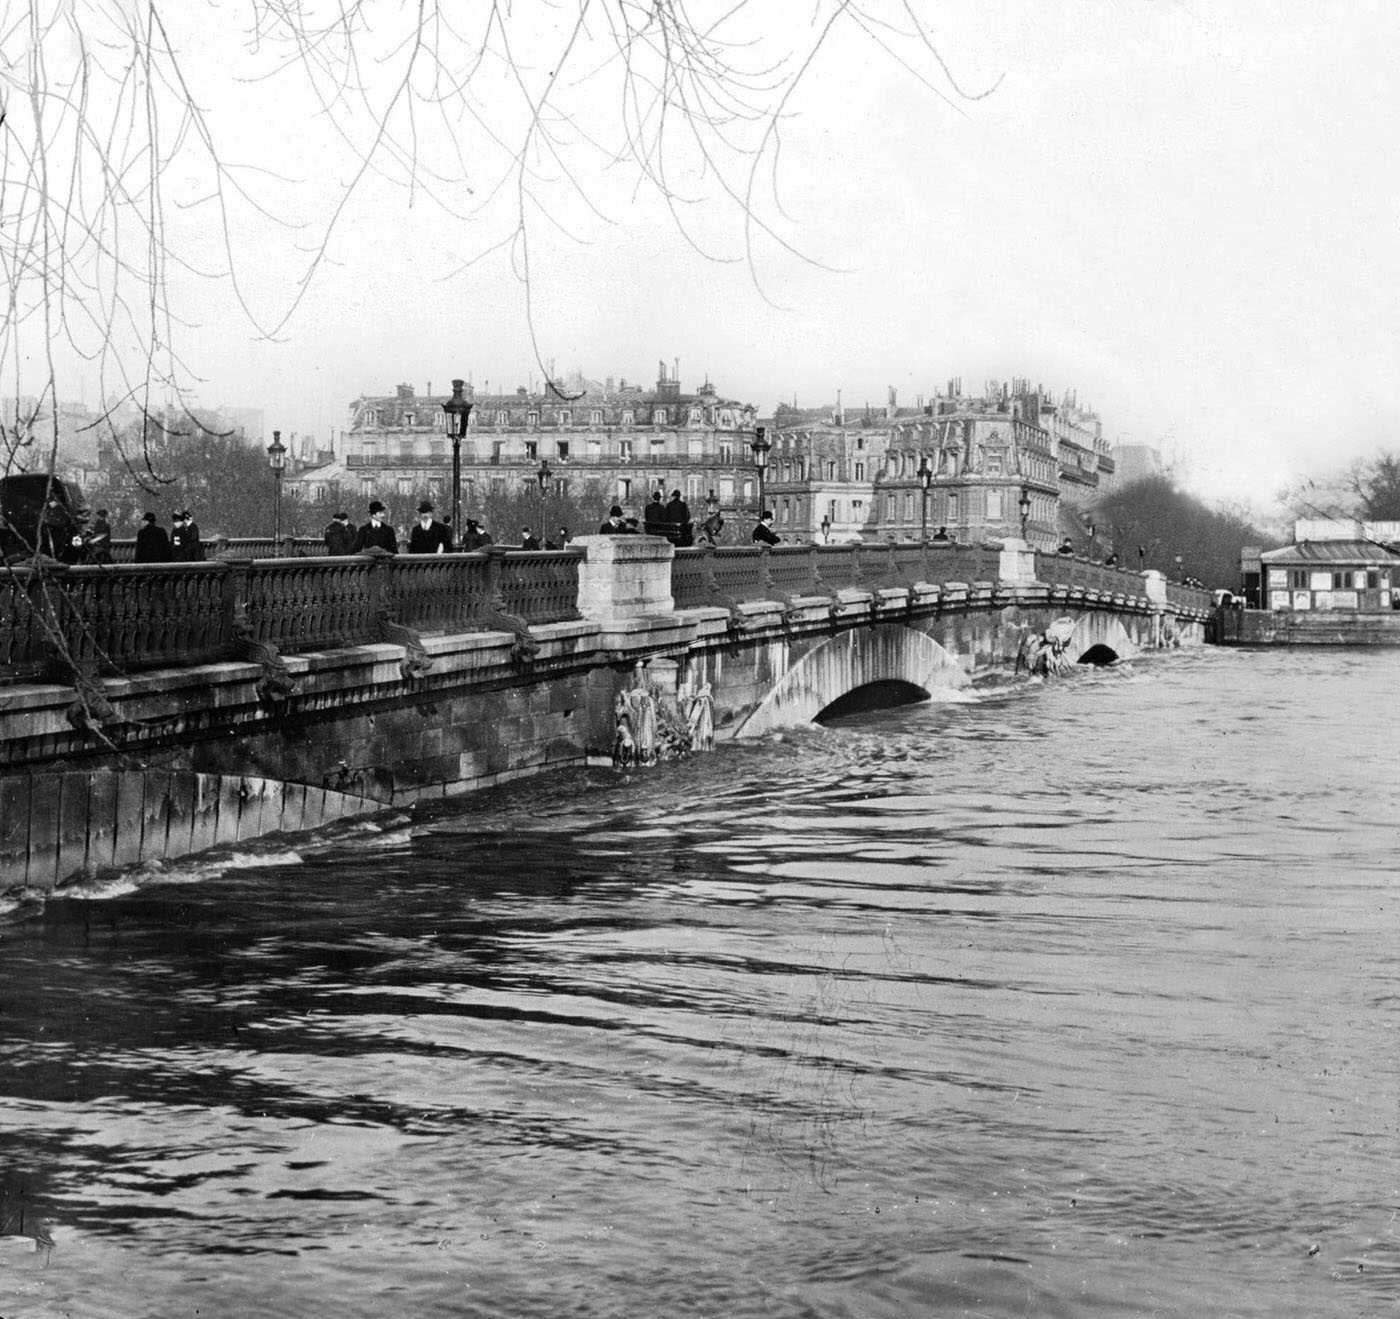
760, 444
925, 480
277, 460
458, 411
1025, 507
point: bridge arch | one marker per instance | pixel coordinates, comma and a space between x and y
1100, 639
849, 660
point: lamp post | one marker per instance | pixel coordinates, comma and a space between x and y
457, 411
277, 460
925, 480
543, 477
760, 445
1025, 507
826, 530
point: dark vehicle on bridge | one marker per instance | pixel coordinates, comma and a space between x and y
40, 512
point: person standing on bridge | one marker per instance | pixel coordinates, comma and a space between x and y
428, 536
376, 534
340, 536
152, 544
763, 534
185, 546
678, 515
616, 525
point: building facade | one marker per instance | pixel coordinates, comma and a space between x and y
620, 440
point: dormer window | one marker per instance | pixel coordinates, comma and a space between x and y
532, 418
408, 419
659, 416
596, 416
563, 418
502, 417
627, 417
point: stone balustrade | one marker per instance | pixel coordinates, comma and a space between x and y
109, 618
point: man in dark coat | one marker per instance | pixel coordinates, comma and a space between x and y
376, 534
654, 516
340, 535
152, 544
99, 542
428, 536
615, 525
527, 541
184, 539
763, 533
678, 515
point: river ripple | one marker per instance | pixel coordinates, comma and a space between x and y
1068, 1000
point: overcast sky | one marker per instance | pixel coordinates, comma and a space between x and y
1187, 213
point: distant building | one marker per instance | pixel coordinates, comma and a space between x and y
1333, 564
845, 475
626, 439
1136, 462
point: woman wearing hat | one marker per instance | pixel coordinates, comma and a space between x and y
376, 534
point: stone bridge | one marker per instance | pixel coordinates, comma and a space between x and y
153, 710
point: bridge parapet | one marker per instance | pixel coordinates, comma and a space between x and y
128, 616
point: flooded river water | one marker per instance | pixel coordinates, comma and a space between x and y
1066, 1000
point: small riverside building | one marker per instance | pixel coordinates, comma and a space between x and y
1333, 565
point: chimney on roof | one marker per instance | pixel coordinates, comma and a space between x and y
890, 404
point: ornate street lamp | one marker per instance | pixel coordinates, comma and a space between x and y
457, 411
925, 480
826, 530
277, 460
1025, 507
760, 445
543, 477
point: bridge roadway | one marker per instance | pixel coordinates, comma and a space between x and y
150, 711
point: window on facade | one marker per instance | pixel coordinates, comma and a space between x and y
726, 452
856, 506
696, 415
627, 416
831, 471
831, 509
952, 507
562, 448
890, 507
502, 417
908, 507
1373, 581
532, 449
860, 471
659, 416
532, 418
994, 466
596, 416
408, 419
624, 449
405, 485
366, 487
860, 441
994, 513
624, 487
726, 419
595, 448
784, 509
563, 418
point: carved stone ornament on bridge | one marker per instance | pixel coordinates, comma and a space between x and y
416, 661
1045, 654
276, 683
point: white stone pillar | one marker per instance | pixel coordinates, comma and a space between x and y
1156, 586
624, 577
1017, 566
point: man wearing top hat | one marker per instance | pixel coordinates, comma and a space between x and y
184, 539
376, 534
429, 536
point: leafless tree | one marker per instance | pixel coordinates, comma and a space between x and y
134, 130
